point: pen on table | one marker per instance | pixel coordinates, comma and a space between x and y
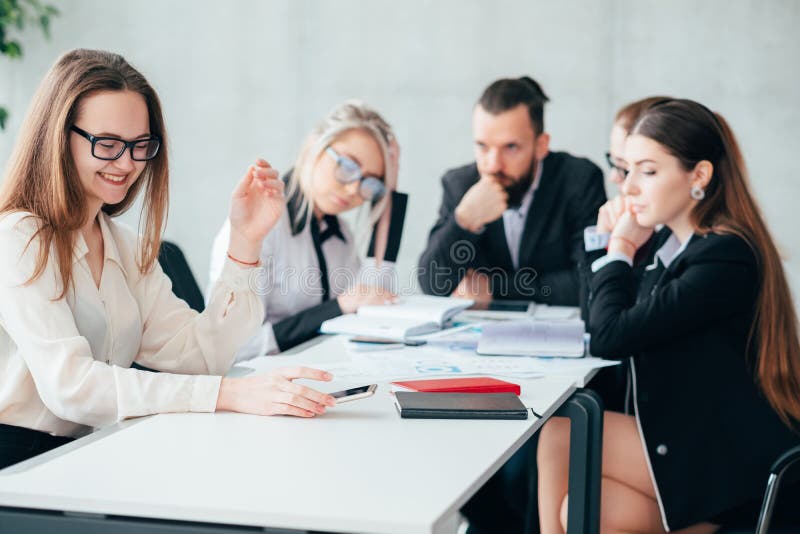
384, 341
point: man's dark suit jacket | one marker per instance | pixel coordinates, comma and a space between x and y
569, 194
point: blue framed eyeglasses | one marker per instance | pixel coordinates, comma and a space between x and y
371, 188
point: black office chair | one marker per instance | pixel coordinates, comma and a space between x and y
184, 285
776, 473
174, 265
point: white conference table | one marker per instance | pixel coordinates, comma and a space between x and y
357, 468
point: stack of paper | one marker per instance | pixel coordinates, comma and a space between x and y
533, 338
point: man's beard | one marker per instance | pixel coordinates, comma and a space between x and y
517, 187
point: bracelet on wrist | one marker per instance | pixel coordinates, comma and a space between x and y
246, 263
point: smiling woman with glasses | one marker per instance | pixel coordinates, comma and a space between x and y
82, 297
317, 268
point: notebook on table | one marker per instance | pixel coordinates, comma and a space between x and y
409, 316
419, 405
478, 384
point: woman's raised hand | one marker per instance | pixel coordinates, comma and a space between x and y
628, 236
256, 205
609, 214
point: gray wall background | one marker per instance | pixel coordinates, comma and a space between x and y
246, 78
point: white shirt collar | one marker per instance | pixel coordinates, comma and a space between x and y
110, 250
671, 249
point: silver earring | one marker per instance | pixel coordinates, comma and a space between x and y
697, 192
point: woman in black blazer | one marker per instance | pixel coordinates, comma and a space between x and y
711, 333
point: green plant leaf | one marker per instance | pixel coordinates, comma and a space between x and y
13, 49
14, 13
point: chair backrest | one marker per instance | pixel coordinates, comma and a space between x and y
779, 468
184, 285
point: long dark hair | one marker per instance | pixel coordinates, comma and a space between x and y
693, 133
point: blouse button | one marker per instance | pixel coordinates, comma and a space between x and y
661, 450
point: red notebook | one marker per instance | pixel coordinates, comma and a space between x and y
479, 384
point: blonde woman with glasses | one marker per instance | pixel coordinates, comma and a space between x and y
314, 269
82, 297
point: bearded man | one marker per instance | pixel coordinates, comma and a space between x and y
511, 224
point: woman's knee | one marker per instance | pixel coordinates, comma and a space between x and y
623, 509
554, 437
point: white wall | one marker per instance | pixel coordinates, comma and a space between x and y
241, 79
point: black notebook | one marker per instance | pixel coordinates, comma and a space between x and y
417, 405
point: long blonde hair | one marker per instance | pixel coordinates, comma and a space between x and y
351, 115
41, 177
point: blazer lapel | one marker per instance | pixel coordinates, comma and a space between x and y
498, 254
655, 275
539, 213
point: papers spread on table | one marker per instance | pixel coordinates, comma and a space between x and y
533, 338
409, 316
452, 355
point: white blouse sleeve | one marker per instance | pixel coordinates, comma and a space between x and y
70, 382
176, 338
216, 263
263, 341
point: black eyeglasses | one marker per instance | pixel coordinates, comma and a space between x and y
111, 148
622, 171
348, 171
